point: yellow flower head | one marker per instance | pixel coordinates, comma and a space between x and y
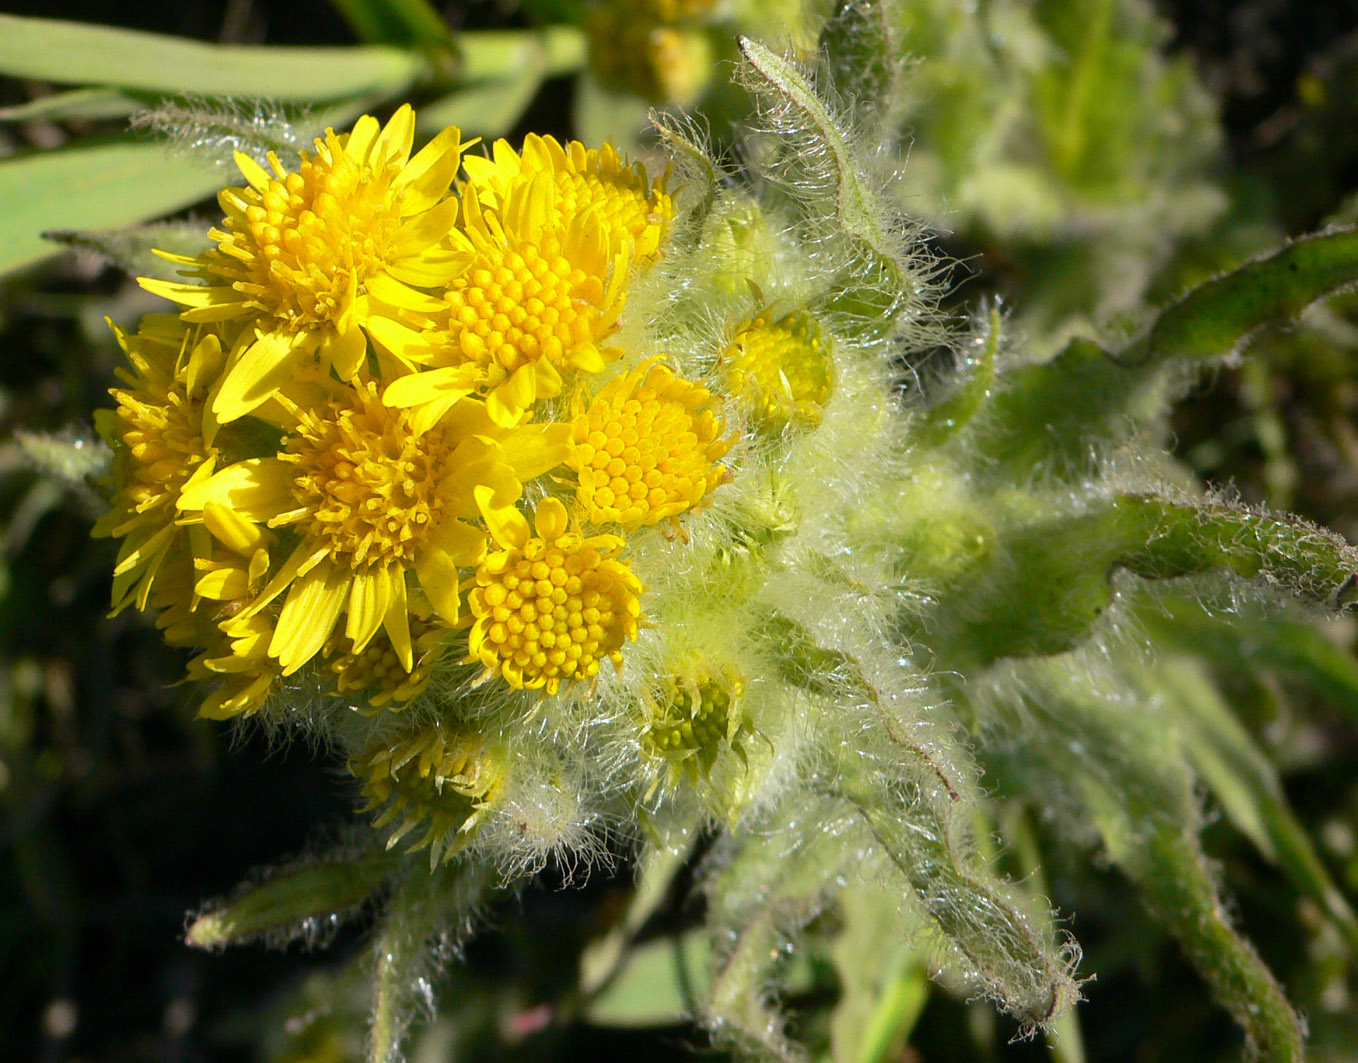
630, 205
550, 608
157, 436
781, 370
537, 300
308, 257
436, 778
240, 665
646, 448
369, 501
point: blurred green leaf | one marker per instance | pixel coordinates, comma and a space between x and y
68, 52
91, 103
407, 23
658, 985
92, 186
488, 109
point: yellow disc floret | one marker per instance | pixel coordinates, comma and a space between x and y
646, 448
781, 369
551, 607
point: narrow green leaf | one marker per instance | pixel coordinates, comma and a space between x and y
73, 53
1285, 645
854, 205
1216, 317
70, 457
405, 23
88, 104
94, 186
282, 907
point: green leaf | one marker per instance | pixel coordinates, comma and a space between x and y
406, 23
1216, 317
91, 103
283, 907
957, 410
488, 55
1041, 600
72, 53
93, 186
488, 109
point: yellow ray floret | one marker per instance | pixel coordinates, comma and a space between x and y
781, 369
646, 448
157, 438
631, 205
307, 258
550, 608
538, 299
371, 501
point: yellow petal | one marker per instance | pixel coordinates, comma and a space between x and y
506, 523
360, 140
551, 519
346, 350
255, 174
308, 616
427, 176
222, 584
196, 295
535, 449
397, 137
231, 529
389, 290
369, 600
397, 622
437, 562
257, 488
262, 368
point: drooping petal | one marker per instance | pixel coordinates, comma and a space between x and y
308, 616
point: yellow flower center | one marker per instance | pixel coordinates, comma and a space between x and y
305, 245
368, 485
646, 449
781, 369
524, 304
551, 611
621, 197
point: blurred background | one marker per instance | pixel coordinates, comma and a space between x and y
1084, 160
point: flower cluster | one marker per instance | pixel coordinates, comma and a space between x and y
384, 368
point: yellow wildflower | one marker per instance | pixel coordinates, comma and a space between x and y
437, 778
781, 369
549, 608
156, 433
537, 300
371, 500
240, 665
307, 258
646, 448
631, 205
